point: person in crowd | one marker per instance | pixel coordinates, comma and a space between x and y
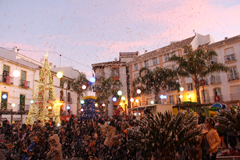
233, 139
33, 151
111, 131
212, 138
55, 152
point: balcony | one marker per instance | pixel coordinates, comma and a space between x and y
61, 98
214, 60
6, 79
218, 98
24, 84
230, 57
24, 107
204, 82
232, 77
235, 96
207, 99
215, 79
69, 100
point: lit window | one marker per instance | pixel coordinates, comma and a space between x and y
189, 87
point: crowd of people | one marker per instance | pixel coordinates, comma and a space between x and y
93, 139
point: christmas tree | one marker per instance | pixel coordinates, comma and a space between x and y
43, 107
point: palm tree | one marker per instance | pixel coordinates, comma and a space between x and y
163, 133
108, 87
197, 65
156, 80
77, 84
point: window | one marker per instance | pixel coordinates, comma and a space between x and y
69, 97
174, 53
167, 57
23, 75
4, 100
230, 55
178, 99
146, 63
235, 92
61, 96
6, 68
115, 72
135, 66
171, 99
233, 74
155, 61
217, 91
189, 87
22, 102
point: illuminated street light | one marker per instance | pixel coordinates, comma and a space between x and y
114, 99
84, 87
32, 101
59, 74
123, 98
152, 102
181, 96
119, 93
139, 91
82, 101
4, 96
16, 73
132, 100
13, 105
137, 100
96, 104
181, 89
103, 105
92, 79
81, 109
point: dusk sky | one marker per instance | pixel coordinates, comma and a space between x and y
93, 31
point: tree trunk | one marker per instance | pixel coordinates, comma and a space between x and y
156, 96
198, 98
78, 104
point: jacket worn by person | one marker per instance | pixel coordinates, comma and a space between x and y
213, 140
111, 131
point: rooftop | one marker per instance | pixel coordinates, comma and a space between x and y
170, 48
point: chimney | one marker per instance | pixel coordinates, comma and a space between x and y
226, 38
15, 49
54, 66
115, 59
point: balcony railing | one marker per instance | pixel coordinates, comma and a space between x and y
203, 82
218, 98
24, 84
6, 79
215, 79
207, 99
232, 77
235, 96
230, 57
171, 89
24, 107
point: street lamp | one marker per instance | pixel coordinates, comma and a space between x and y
59, 74
181, 96
139, 91
152, 102
16, 73
119, 93
181, 89
103, 105
82, 101
31, 101
96, 104
123, 98
13, 104
132, 100
114, 99
92, 79
137, 100
84, 87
